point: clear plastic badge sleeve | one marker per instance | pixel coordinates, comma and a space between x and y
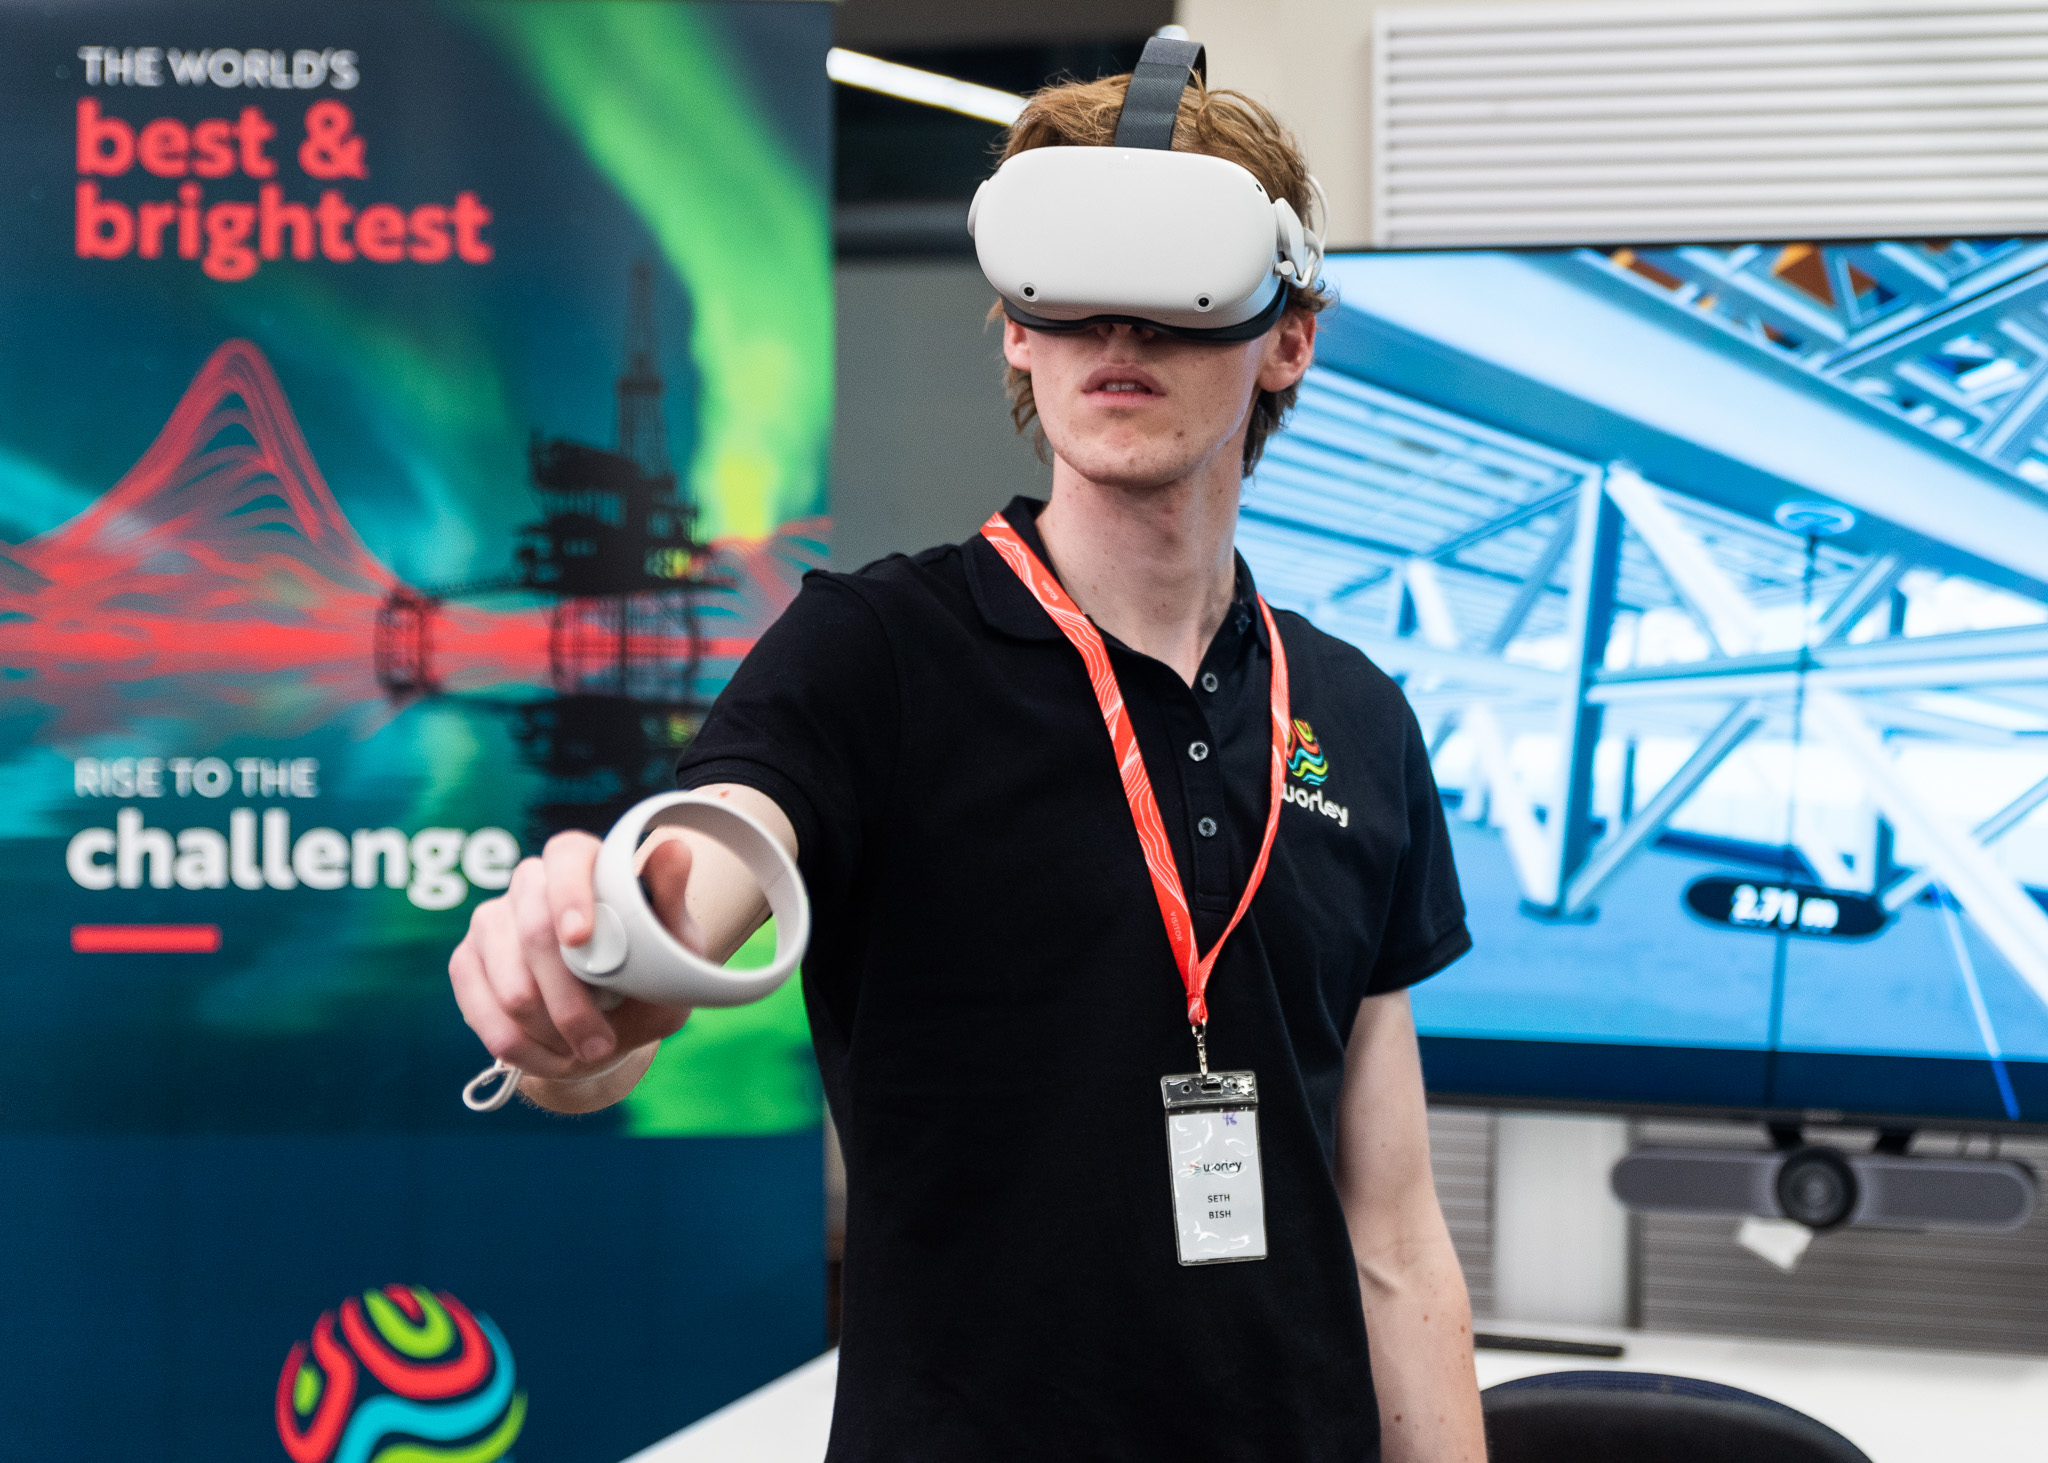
1212, 1153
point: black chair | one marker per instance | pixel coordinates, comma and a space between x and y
1641, 1417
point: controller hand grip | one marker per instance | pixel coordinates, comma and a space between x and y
630, 952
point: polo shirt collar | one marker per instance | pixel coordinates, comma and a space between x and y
1006, 605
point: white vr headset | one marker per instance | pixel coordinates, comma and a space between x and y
1178, 242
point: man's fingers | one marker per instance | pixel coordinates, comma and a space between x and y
568, 861
569, 1006
500, 1035
511, 981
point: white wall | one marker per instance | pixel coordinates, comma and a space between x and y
1308, 60
1560, 1240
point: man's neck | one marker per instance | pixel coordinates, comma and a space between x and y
1153, 567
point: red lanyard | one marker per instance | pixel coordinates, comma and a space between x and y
1166, 886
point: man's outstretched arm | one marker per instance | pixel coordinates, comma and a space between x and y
1418, 1318
529, 1009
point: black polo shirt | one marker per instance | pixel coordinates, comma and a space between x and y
993, 1001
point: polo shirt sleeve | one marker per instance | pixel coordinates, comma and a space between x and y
1426, 919
810, 719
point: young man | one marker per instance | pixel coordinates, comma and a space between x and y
993, 995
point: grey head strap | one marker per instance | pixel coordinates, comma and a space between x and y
1152, 104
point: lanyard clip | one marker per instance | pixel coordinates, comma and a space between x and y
1201, 1031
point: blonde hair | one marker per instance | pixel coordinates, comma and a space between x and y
1223, 124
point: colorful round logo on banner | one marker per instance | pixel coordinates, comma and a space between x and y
400, 1375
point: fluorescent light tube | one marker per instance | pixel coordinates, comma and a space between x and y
871, 73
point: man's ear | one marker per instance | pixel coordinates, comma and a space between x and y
1016, 344
1289, 351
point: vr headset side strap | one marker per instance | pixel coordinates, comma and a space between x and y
1152, 104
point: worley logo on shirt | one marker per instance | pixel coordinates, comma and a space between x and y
1307, 762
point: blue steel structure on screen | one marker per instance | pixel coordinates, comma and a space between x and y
1545, 489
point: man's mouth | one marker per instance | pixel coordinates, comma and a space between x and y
1125, 381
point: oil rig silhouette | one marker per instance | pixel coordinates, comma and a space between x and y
616, 551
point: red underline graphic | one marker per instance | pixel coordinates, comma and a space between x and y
145, 939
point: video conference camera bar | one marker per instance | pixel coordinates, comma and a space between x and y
1827, 1188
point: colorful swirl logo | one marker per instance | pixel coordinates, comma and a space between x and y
1307, 762
412, 1377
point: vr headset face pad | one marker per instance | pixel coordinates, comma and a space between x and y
1178, 239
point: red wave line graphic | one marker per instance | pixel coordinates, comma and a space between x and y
223, 553
182, 459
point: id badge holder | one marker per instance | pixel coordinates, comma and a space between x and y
1212, 1151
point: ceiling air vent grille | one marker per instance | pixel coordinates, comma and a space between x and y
1593, 123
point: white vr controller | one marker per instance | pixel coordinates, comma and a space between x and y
630, 951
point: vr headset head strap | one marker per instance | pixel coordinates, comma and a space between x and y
1152, 103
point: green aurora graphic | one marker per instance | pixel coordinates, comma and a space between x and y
647, 91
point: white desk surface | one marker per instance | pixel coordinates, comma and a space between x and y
1898, 1405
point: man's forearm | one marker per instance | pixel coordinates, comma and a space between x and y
1418, 1322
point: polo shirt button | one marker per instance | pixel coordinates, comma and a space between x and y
1209, 680
1207, 828
1199, 751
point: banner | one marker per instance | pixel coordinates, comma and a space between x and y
408, 416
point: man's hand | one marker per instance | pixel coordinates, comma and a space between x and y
528, 1007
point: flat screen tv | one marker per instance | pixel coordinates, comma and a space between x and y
1717, 577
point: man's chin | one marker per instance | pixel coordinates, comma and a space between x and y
1132, 484
1129, 471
